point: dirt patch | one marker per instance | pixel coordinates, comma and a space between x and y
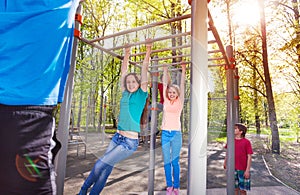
286, 166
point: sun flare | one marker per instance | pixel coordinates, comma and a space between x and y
246, 13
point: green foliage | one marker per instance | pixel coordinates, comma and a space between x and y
97, 73
216, 104
285, 134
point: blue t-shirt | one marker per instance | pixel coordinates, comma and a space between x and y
36, 39
131, 109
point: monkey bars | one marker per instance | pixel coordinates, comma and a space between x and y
194, 49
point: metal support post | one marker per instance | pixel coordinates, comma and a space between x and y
230, 121
153, 133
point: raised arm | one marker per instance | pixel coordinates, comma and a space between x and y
144, 72
124, 67
165, 82
182, 82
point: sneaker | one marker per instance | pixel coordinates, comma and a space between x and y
169, 190
176, 191
82, 192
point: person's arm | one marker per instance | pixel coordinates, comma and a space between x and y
144, 72
165, 82
182, 82
247, 171
225, 161
124, 67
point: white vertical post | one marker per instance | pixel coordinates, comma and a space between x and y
199, 102
64, 120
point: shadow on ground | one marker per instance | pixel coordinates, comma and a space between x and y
132, 175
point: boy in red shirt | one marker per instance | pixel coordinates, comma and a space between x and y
243, 157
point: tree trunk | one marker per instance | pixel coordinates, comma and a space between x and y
257, 120
297, 26
100, 112
80, 103
271, 105
266, 114
102, 94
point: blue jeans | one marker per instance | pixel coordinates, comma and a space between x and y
171, 142
119, 149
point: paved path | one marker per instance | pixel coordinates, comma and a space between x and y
268, 190
131, 176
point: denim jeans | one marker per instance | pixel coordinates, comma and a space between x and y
171, 142
119, 149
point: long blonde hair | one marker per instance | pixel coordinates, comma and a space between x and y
176, 87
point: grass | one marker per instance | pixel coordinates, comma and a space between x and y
286, 135
108, 130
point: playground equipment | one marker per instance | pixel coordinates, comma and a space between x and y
197, 51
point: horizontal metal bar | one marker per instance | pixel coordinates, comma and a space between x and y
216, 59
169, 70
107, 51
153, 40
214, 51
217, 98
172, 57
164, 49
167, 58
143, 27
214, 65
155, 51
212, 41
170, 64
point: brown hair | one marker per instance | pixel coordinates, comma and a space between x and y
136, 78
242, 128
144, 118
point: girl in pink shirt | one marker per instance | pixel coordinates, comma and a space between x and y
171, 138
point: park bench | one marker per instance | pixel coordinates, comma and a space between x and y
75, 139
